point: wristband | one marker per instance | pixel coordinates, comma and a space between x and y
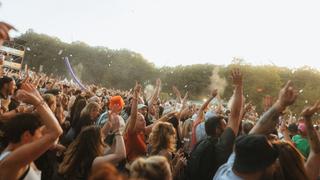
42, 102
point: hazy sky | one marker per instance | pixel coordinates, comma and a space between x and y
171, 32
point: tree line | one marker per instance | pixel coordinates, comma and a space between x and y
120, 68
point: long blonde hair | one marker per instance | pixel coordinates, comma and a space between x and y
89, 108
162, 137
50, 99
152, 168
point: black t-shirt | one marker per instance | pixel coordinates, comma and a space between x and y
209, 154
48, 164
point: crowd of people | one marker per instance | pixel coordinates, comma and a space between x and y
51, 129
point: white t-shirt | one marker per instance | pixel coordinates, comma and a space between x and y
31, 174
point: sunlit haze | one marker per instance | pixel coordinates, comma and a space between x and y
173, 32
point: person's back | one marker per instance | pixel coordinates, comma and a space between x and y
209, 154
301, 144
199, 163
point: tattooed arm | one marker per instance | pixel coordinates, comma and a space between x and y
269, 120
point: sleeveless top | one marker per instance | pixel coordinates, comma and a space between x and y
30, 174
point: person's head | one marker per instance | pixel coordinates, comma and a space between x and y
87, 146
117, 103
51, 101
92, 110
23, 128
48, 85
140, 122
215, 126
143, 109
247, 126
302, 129
291, 161
162, 137
65, 89
153, 108
7, 85
77, 92
105, 171
293, 129
64, 101
254, 155
152, 168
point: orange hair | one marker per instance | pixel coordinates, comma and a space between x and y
116, 100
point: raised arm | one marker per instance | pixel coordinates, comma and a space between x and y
247, 108
184, 109
178, 94
164, 118
120, 151
200, 117
29, 152
313, 161
37, 81
269, 119
284, 130
134, 108
237, 103
155, 95
6, 116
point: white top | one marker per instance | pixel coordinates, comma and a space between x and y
31, 174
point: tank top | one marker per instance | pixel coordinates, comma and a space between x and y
30, 174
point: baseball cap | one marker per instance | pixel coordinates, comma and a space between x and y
253, 153
140, 106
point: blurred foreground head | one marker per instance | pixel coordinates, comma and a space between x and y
4, 32
152, 168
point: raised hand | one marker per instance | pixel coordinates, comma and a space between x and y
309, 111
4, 31
175, 90
179, 161
283, 127
137, 88
31, 89
236, 76
29, 94
287, 95
158, 82
184, 100
27, 97
214, 93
